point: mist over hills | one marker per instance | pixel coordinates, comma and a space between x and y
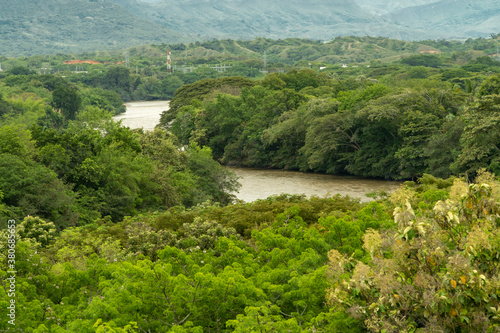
50, 26
385, 7
323, 19
320, 19
453, 18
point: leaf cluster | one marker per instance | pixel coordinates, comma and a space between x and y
438, 271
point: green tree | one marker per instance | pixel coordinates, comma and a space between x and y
434, 273
117, 77
67, 101
5, 107
215, 183
481, 136
329, 140
20, 70
37, 229
442, 149
491, 86
427, 60
16, 140
169, 86
36, 190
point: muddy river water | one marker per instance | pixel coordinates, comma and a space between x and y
260, 184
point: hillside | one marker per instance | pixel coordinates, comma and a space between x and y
248, 56
62, 26
52, 26
383, 7
321, 19
294, 50
453, 18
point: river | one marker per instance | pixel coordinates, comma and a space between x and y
260, 184
144, 115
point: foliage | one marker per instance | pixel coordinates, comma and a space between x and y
137, 275
67, 101
480, 137
36, 190
306, 121
436, 272
429, 265
426, 60
124, 230
74, 164
35, 228
186, 94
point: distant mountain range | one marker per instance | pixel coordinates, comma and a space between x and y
30, 27
452, 18
49, 26
385, 7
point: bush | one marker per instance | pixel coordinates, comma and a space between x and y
437, 274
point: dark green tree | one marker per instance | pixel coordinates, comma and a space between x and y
67, 101
20, 70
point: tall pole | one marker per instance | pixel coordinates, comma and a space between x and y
169, 65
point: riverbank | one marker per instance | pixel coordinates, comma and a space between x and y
262, 183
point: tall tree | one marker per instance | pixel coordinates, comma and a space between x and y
67, 100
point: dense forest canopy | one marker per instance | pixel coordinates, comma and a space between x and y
121, 230
143, 73
412, 120
64, 159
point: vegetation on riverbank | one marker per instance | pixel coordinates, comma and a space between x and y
64, 159
424, 260
398, 126
121, 230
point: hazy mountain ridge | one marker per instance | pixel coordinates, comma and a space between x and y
50, 26
385, 7
453, 18
323, 19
